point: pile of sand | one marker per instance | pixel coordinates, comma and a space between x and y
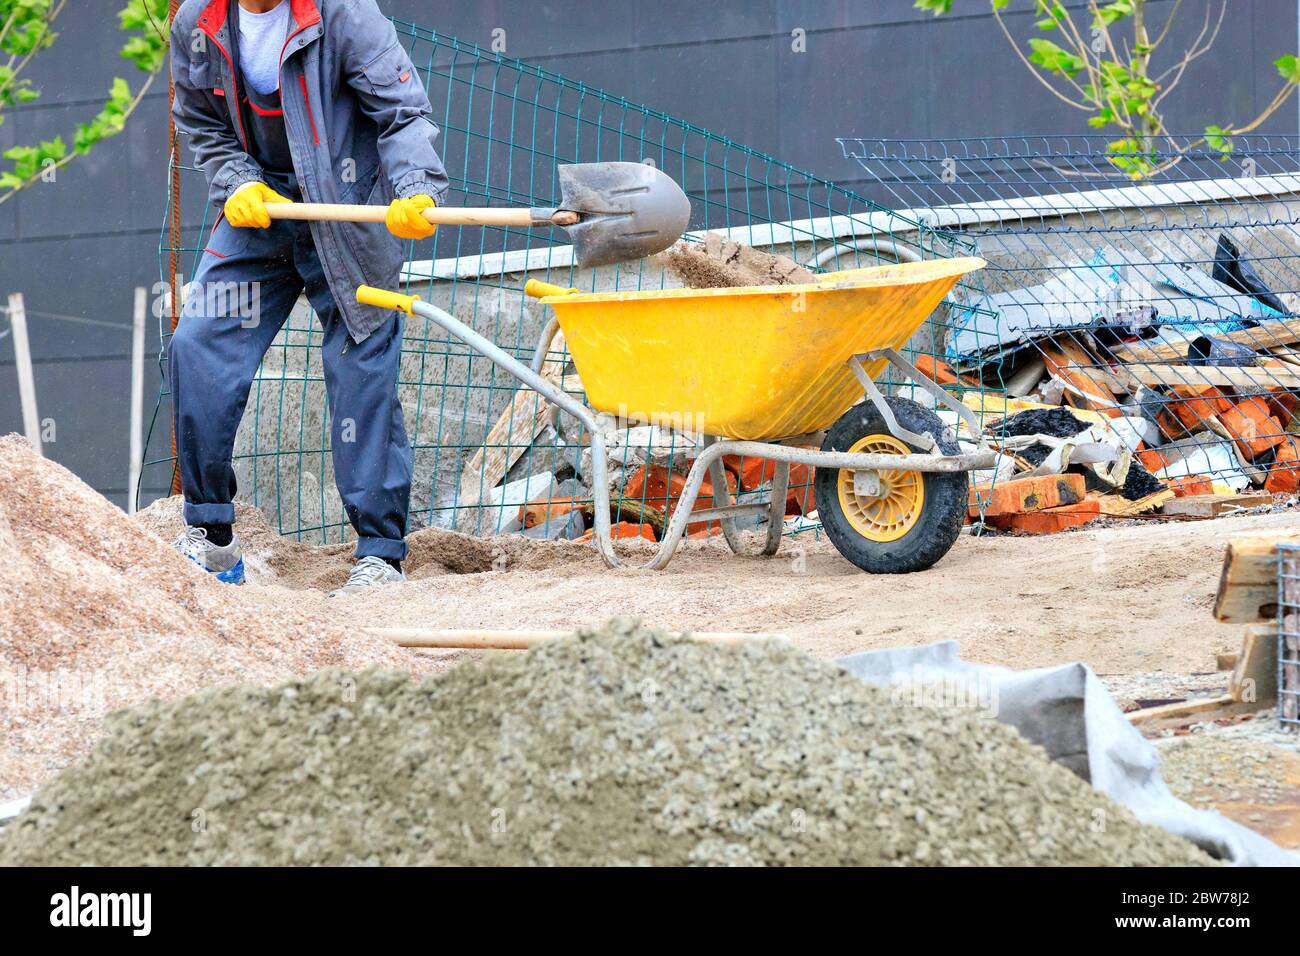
612, 748
718, 262
275, 560
97, 613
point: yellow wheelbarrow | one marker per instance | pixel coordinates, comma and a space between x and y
766, 372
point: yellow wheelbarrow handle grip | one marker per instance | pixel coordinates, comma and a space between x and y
383, 299
540, 290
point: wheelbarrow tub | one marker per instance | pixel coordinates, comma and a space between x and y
752, 362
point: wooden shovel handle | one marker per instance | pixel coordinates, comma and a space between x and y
440, 215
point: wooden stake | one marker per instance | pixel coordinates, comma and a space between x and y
23, 362
483, 639
137, 401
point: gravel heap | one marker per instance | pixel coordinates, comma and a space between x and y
616, 747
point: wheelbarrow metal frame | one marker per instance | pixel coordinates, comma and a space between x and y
710, 460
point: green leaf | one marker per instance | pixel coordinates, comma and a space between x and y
1053, 58
1288, 67
1114, 12
1217, 139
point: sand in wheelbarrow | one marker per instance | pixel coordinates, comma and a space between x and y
718, 262
621, 746
97, 614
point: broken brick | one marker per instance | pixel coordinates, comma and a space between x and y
1284, 477
752, 473
1190, 485
1252, 427
1050, 520
538, 512
941, 372
625, 529
1027, 494
661, 488
1196, 403
1153, 460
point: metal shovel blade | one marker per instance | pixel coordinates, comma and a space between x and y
628, 211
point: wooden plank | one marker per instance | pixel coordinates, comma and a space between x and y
1223, 376
1212, 506
1183, 708
512, 434
1248, 583
1117, 506
1266, 336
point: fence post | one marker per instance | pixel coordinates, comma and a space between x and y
23, 363
137, 400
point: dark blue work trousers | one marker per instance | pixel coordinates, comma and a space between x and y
247, 283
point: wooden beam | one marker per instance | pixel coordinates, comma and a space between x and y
487, 639
1230, 376
1248, 583
1212, 506
513, 433
1265, 336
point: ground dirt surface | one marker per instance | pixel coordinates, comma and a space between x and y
98, 613
1131, 599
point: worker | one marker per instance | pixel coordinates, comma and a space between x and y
288, 100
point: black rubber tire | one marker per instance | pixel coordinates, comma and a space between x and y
946, 494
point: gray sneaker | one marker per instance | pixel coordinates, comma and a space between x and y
369, 572
227, 563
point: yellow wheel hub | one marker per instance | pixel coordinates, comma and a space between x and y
895, 511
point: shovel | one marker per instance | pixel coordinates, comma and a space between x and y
613, 212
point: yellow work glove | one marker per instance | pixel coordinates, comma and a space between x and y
404, 219
247, 205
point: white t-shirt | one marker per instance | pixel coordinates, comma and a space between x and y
261, 40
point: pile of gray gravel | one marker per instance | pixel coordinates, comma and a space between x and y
617, 747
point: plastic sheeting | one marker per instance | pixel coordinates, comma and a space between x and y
1068, 711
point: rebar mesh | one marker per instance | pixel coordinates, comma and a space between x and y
505, 126
1167, 302
1288, 634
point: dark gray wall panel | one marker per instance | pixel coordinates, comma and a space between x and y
873, 68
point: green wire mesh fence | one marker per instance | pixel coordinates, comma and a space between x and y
482, 446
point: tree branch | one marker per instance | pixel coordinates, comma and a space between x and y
126, 115
1038, 75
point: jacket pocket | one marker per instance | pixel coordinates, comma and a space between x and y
204, 74
225, 240
389, 68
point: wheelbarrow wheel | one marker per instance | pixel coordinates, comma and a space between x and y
915, 518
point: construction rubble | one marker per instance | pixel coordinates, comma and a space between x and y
1181, 407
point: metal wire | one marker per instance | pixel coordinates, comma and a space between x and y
1288, 634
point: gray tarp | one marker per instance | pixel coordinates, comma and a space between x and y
1068, 711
